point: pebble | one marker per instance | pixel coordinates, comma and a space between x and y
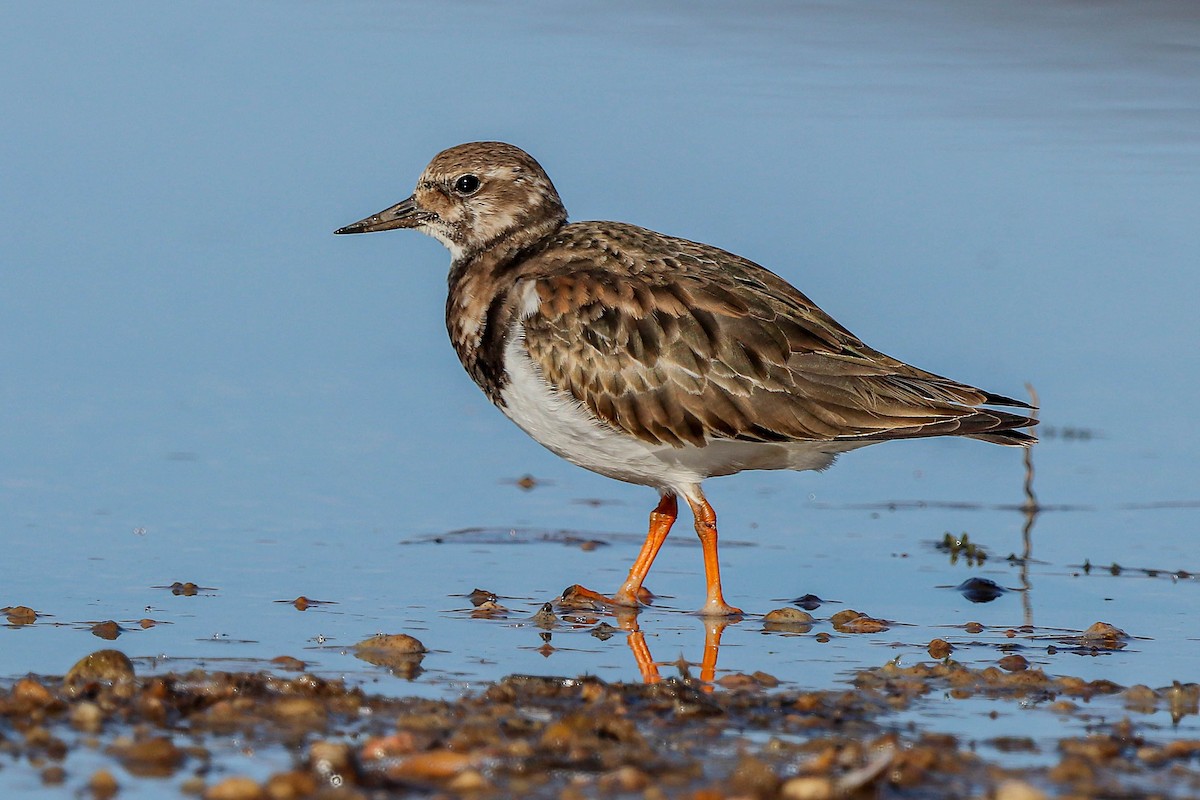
20, 615
102, 785
103, 666
30, 693
808, 787
850, 621
788, 619
107, 630
1101, 634
940, 649
236, 788
1014, 663
1018, 790
87, 717
153, 757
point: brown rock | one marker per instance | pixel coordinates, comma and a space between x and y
289, 663
87, 717
333, 761
103, 785
30, 693
433, 765
788, 620
153, 757
1106, 636
940, 649
236, 788
1014, 663
20, 615
107, 630
290, 786
809, 787
102, 666
1018, 790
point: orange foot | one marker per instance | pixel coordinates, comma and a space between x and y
717, 607
579, 597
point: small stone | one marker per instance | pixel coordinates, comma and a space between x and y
238, 787
102, 666
332, 761
381, 747
192, 785
87, 717
1014, 663
433, 765
469, 780
107, 630
1106, 636
54, 775
102, 785
940, 649
1018, 790
399, 652
480, 596
973, 627
399, 643
788, 620
20, 615
289, 663
30, 693
153, 757
808, 787
301, 603
488, 610
292, 785
300, 712
850, 621
1141, 698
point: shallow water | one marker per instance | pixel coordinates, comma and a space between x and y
202, 384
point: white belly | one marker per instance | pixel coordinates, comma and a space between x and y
565, 426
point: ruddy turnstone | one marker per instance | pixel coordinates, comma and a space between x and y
656, 360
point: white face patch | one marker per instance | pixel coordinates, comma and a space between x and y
451, 245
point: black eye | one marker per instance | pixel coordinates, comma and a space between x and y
466, 185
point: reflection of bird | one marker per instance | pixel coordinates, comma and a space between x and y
657, 360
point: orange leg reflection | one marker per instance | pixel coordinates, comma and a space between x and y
714, 628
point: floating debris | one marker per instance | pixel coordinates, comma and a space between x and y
809, 602
980, 590
962, 546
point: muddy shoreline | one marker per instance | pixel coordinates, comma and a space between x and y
553, 737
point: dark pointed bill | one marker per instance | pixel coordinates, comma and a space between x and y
402, 215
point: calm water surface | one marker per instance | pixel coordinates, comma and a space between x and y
200, 383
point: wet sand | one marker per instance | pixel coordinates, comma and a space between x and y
103, 731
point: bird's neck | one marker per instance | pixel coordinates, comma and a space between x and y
480, 310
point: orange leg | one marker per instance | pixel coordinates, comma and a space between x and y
631, 594
706, 529
661, 519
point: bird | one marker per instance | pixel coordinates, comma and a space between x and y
656, 360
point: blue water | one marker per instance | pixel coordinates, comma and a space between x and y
201, 383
